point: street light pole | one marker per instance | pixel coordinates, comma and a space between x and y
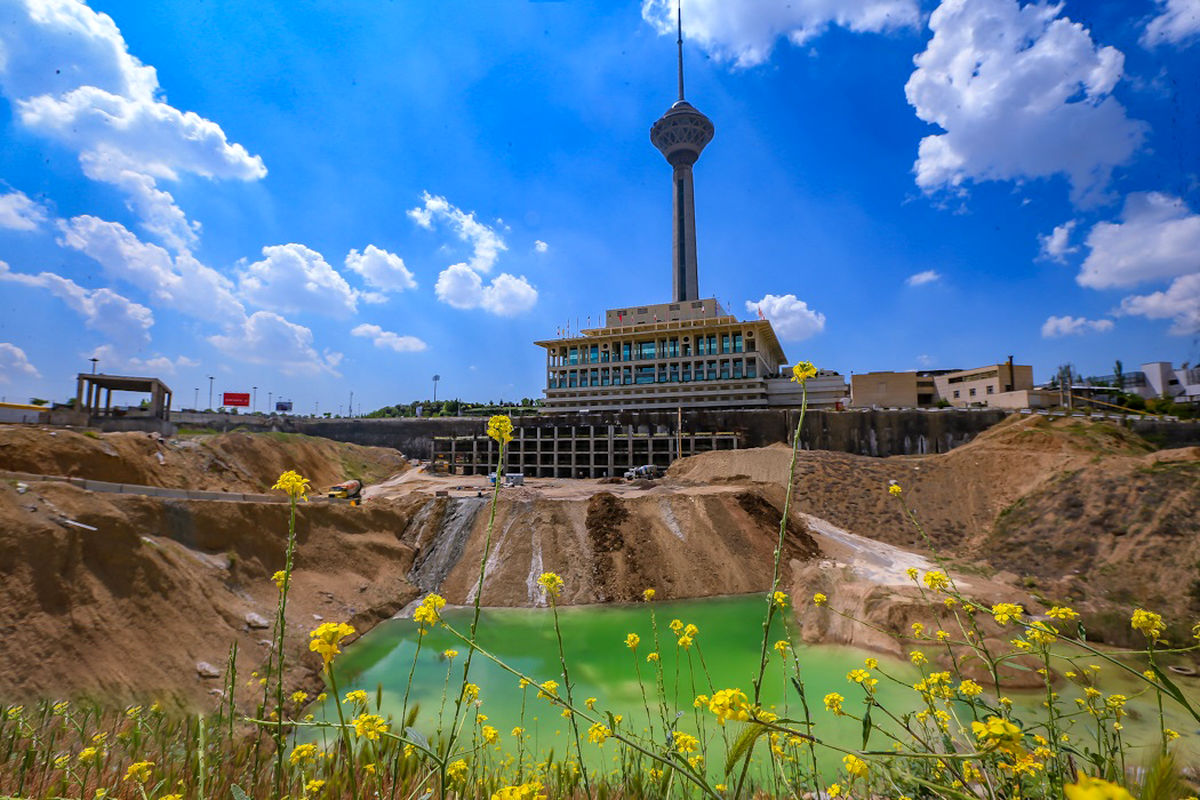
210, 387
196, 399
436, 378
270, 408
93, 359
254, 400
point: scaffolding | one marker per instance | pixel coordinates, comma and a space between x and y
576, 451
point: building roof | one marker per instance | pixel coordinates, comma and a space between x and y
124, 383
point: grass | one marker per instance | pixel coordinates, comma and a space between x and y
963, 741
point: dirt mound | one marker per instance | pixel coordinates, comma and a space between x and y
611, 548
236, 462
1082, 511
127, 610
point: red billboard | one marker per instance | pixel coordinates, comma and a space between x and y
235, 399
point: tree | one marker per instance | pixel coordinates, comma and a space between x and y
37, 401
1119, 374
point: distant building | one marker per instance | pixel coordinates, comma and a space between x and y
1004, 385
1157, 379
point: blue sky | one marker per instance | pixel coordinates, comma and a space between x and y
322, 198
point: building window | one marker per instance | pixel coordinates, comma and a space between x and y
737, 342
956, 394
594, 355
752, 369
573, 355
645, 350
972, 391
673, 348
604, 378
712, 370
628, 377
724, 369
991, 389
687, 373
687, 348
712, 345
725, 347
595, 377
701, 346
644, 375
750, 344
737, 368
573, 380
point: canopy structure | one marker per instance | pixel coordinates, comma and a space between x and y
89, 386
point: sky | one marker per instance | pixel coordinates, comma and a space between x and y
309, 200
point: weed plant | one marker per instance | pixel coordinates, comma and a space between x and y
964, 740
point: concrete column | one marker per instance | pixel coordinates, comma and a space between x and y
684, 280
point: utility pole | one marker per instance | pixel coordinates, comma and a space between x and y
350, 408
94, 360
254, 399
270, 407
436, 378
196, 399
210, 387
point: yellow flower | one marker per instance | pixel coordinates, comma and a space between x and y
457, 771
62, 761
685, 642
803, 371
970, 688
278, 579
548, 689
936, 580
999, 734
861, 676
1007, 612
369, 725
700, 701
685, 743
314, 786
450, 653
871, 663
820, 599
139, 772
729, 704
551, 583
690, 630
650, 657
490, 734
782, 647
833, 702
918, 658
470, 692
720, 787
894, 488
1170, 734
299, 697
631, 641
500, 428
912, 573
648, 595
326, 638
523, 791
517, 732
303, 754
676, 625
88, 755
1148, 623
590, 703
171, 797
357, 696
293, 484
834, 790
780, 599
855, 766
1064, 613
427, 612
1095, 789
598, 733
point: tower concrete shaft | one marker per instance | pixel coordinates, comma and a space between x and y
680, 135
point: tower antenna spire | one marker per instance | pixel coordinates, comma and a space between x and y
679, 41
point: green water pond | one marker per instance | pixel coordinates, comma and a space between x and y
602, 666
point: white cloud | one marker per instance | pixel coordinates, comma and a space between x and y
182, 283
792, 319
292, 277
1177, 22
539, 246
126, 323
388, 340
14, 364
926, 361
18, 212
113, 360
507, 295
745, 31
1055, 327
1179, 303
486, 243
381, 269
922, 278
1020, 93
103, 102
1056, 245
269, 339
1158, 238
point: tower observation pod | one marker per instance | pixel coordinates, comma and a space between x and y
680, 135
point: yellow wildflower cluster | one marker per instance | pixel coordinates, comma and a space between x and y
936, 580
1148, 623
1063, 613
278, 579
894, 488
598, 733
303, 754
326, 639
863, 678
293, 484
780, 599
1005, 613
551, 583
548, 690
1095, 789
820, 599
855, 766
833, 702
523, 791
139, 771
427, 612
969, 688
470, 692
648, 594
500, 428
686, 743
632, 640
369, 726
729, 704
490, 734
358, 697
802, 371
457, 771
998, 734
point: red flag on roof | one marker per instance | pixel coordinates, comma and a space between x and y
760, 314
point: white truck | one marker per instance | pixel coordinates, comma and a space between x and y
644, 472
